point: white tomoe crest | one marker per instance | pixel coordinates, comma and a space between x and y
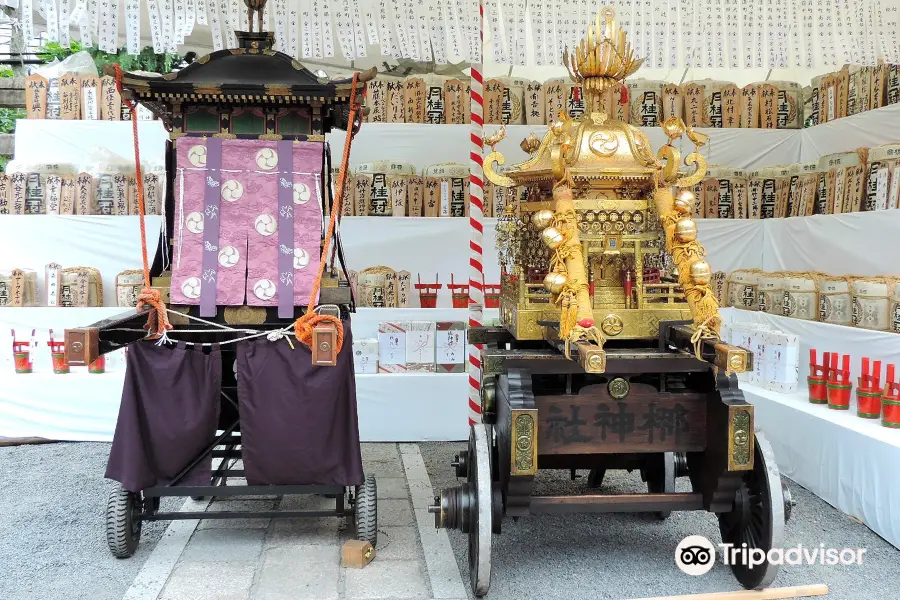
301, 193
191, 287
264, 289
265, 224
229, 256
232, 190
301, 258
197, 155
267, 159
194, 222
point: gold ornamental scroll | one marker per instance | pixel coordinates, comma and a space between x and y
568, 258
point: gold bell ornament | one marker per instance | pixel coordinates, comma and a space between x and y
701, 273
552, 237
542, 219
555, 282
686, 230
684, 203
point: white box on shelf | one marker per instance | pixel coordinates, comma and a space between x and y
420, 346
785, 363
365, 356
392, 346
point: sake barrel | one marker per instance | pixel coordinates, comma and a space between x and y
704, 102
446, 190
770, 293
892, 86
786, 106
80, 287
645, 102
18, 288
414, 99
815, 104
872, 298
377, 287
513, 107
832, 194
895, 309
457, 101
835, 301
769, 192
435, 104
882, 161
859, 93
743, 289
801, 296
719, 191
535, 107
561, 96
381, 188
802, 189
377, 99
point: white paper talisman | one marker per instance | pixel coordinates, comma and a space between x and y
392, 347
422, 29
328, 28
51, 15
293, 25
370, 20
420, 346
345, 30
28, 20
365, 356
521, 32
386, 34
359, 30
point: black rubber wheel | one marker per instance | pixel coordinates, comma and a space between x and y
198, 498
661, 479
367, 511
123, 529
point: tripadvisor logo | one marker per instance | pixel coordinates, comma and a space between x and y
696, 555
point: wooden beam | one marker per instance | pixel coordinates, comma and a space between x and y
799, 591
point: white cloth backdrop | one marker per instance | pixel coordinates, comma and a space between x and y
865, 130
866, 243
849, 462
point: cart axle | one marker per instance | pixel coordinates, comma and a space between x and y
616, 503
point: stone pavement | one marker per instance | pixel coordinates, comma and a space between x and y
299, 559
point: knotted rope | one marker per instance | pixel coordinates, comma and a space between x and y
158, 321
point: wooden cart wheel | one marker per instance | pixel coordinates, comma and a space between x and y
758, 516
123, 528
367, 511
481, 509
661, 479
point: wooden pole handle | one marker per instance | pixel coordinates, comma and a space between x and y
800, 591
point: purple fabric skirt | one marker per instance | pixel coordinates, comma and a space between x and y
298, 421
168, 415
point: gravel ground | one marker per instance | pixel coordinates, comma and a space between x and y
618, 556
52, 527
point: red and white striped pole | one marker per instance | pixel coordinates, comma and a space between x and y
476, 222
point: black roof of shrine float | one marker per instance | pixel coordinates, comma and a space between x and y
253, 75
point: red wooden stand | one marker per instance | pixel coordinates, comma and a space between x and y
868, 391
58, 355
22, 354
839, 385
491, 295
890, 401
818, 378
459, 293
428, 292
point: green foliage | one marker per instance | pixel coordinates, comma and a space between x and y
6, 71
8, 117
55, 51
147, 60
3, 162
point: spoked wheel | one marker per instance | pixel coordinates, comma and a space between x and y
661, 479
758, 517
123, 527
367, 511
474, 508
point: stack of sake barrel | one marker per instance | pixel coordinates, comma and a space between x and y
853, 90
516, 101
385, 188
869, 302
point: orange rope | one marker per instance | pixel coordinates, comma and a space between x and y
158, 322
303, 327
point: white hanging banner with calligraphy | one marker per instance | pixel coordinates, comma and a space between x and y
808, 47
453, 29
521, 33
108, 30
306, 17
422, 24
412, 30
167, 8
293, 25
887, 28
318, 52
328, 33
345, 30
497, 38
827, 33
438, 32
844, 26
190, 17
64, 22
686, 12
370, 18
732, 10
52, 18
795, 31
673, 53
201, 12
868, 20
388, 33
78, 16
156, 29
133, 26
780, 24
180, 14
234, 19
759, 51
537, 32
359, 31
28, 22
660, 27
647, 26
215, 23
